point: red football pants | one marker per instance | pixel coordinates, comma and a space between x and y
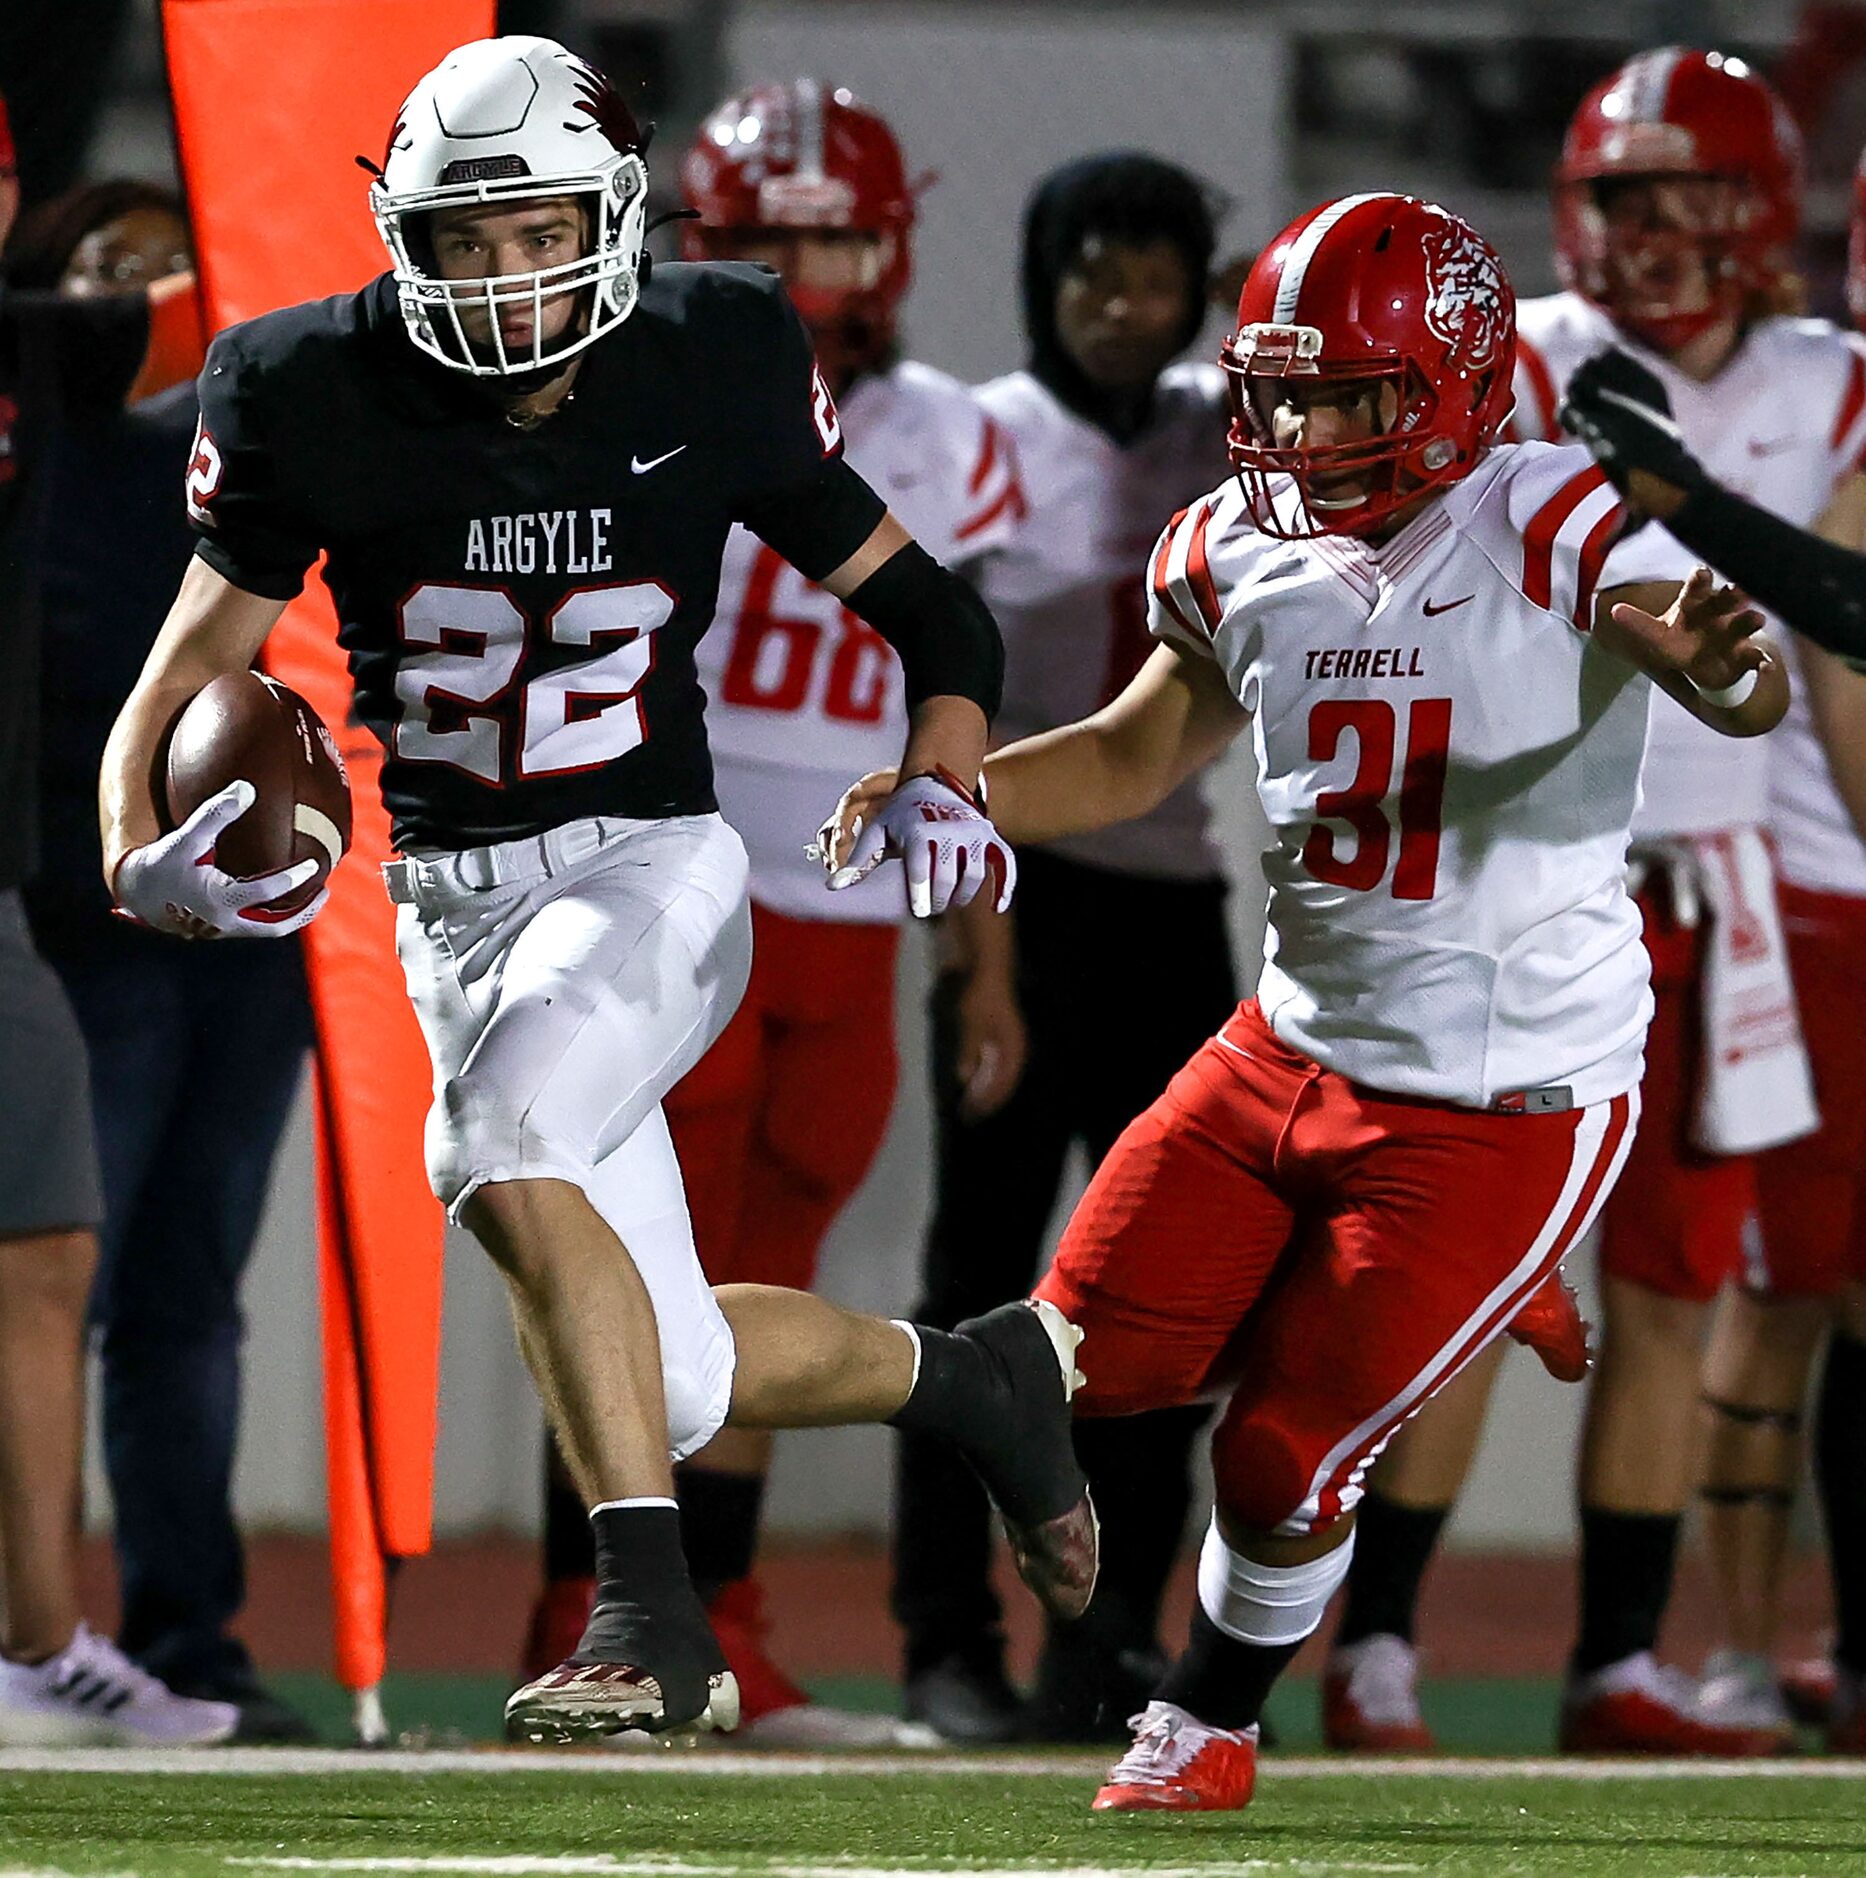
1813, 1191
777, 1124
1676, 1224
1330, 1255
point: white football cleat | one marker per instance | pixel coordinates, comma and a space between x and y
91, 1695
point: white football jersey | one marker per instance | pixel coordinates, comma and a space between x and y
1449, 764
1783, 423
1070, 593
803, 697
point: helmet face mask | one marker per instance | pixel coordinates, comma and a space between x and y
1398, 318
1341, 487
502, 125
828, 272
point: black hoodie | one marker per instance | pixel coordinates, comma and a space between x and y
1123, 195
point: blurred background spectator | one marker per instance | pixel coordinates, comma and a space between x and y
195, 1051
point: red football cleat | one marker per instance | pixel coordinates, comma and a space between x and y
1638, 1707
1370, 1699
1551, 1324
1179, 1765
556, 1628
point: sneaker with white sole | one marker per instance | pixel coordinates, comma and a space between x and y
1370, 1698
1180, 1765
1641, 1706
91, 1695
1740, 1692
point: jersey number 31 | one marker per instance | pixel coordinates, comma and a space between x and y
462, 647
1362, 805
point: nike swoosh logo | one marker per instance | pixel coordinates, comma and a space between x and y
641, 469
1432, 612
1772, 448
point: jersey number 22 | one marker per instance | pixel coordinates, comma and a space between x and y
462, 648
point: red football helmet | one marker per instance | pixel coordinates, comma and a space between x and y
805, 159
1680, 114
1373, 289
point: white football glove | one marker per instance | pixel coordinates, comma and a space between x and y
172, 884
943, 838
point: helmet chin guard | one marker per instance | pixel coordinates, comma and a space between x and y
504, 123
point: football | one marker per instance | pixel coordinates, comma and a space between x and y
245, 726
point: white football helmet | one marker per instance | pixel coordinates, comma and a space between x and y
507, 121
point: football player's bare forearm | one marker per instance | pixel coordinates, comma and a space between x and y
1176, 715
213, 627
1073, 781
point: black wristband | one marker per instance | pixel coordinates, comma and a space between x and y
946, 637
1816, 587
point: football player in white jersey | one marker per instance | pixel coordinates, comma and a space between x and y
1441, 647
1044, 1034
778, 1123
1678, 201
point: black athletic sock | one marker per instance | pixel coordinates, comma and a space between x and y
643, 1588
719, 1516
1223, 1682
1840, 1472
1626, 1582
965, 1391
1393, 1544
569, 1551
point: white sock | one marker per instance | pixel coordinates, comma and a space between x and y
621, 1506
1266, 1604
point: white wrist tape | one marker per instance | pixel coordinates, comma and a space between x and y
1728, 697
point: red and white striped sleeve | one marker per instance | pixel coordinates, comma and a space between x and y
1847, 438
1183, 607
994, 504
1571, 524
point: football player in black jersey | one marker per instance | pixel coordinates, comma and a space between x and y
521, 455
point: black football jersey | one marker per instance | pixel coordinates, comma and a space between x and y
519, 607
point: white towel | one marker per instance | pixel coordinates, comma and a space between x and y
1755, 1089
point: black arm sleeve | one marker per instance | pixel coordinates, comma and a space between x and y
816, 525
1817, 587
948, 642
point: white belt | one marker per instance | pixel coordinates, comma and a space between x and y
503, 863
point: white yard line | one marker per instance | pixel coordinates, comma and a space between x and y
739, 1763
602, 1865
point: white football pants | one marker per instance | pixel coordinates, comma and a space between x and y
565, 983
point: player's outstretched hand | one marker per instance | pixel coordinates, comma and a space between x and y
932, 825
1620, 411
1705, 635
172, 884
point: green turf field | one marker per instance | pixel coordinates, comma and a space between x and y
704, 1815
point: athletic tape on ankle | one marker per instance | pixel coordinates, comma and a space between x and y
1266, 1604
